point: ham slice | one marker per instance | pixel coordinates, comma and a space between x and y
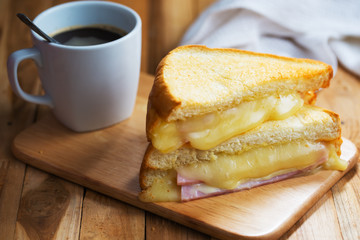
193, 189
181, 181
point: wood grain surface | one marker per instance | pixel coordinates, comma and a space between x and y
334, 216
108, 161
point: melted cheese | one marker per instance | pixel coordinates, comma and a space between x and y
228, 171
210, 130
334, 162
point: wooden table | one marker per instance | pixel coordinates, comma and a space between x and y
37, 205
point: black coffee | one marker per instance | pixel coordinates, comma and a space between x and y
88, 35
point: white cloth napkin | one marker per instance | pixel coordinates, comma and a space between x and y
326, 30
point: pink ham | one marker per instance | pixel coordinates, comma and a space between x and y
192, 189
181, 181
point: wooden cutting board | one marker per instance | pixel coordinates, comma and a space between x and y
108, 161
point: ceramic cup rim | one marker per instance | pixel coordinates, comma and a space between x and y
95, 4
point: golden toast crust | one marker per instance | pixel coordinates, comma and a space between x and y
179, 87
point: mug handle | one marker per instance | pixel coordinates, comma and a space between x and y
12, 65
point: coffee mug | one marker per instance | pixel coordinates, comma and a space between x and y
88, 87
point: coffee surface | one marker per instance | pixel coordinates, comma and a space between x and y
88, 35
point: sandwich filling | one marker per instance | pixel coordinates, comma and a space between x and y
207, 131
259, 166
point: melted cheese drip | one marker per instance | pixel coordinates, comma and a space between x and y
210, 130
228, 171
334, 162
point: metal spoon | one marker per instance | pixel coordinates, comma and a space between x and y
29, 23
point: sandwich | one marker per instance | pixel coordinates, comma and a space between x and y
305, 142
224, 120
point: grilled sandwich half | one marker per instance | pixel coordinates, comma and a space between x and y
223, 120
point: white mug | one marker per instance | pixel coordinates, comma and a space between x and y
87, 87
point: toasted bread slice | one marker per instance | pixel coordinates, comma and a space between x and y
195, 80
196, 83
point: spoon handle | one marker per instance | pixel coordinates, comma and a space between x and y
28, 22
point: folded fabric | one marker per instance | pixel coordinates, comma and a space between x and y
326, 30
